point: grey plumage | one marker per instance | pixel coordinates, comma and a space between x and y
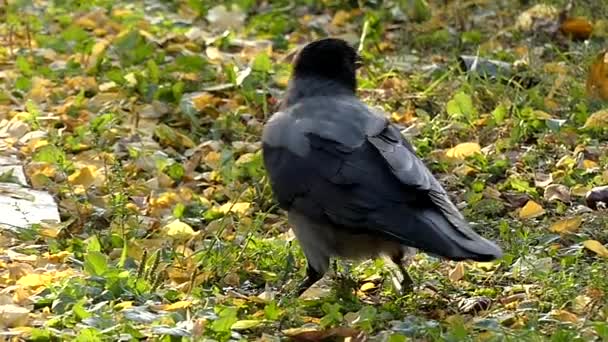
352, 185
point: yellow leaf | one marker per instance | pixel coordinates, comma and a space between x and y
204, 100
598, 119
461, 151
596, 247
179, 230
123, 305
85, 176
246, 324
34, 280
464, 170
569, 225
580, 190
239, 207
340, 18
183, 304
531, 210
589, 164
367, 287
564, 316
457, 273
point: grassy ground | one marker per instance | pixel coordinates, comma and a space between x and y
147, 118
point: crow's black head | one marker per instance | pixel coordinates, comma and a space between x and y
328, 58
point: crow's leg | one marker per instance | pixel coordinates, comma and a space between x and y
312, 276
407, 284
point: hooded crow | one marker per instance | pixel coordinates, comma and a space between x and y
353, 187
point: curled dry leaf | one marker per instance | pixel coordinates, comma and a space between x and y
597, 198
557, 192
457, 272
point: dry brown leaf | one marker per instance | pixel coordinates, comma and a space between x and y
557, 192
597, 80
569, 225
596, 247
457, 273
306, 334
531, 210
463, 150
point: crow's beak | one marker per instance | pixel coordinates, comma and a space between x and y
358, 62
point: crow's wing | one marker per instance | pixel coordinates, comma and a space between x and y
336, 162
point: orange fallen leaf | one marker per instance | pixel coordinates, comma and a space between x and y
597, 80
577, 28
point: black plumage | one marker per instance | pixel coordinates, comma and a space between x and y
352, 185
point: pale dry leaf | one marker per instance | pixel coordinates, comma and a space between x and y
179, 230
598, 119
557, 192
457, 272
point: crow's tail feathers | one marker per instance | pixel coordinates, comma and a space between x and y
430, 231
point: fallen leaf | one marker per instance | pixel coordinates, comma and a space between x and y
463, 150
577, 28
564, 316
239, 207
596, 247
12, 315
182, 304
597, 79
569, 225
457, 272
598, 119
367, 287
246, 324
306, 334
179, 230
557, 192
531, 210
